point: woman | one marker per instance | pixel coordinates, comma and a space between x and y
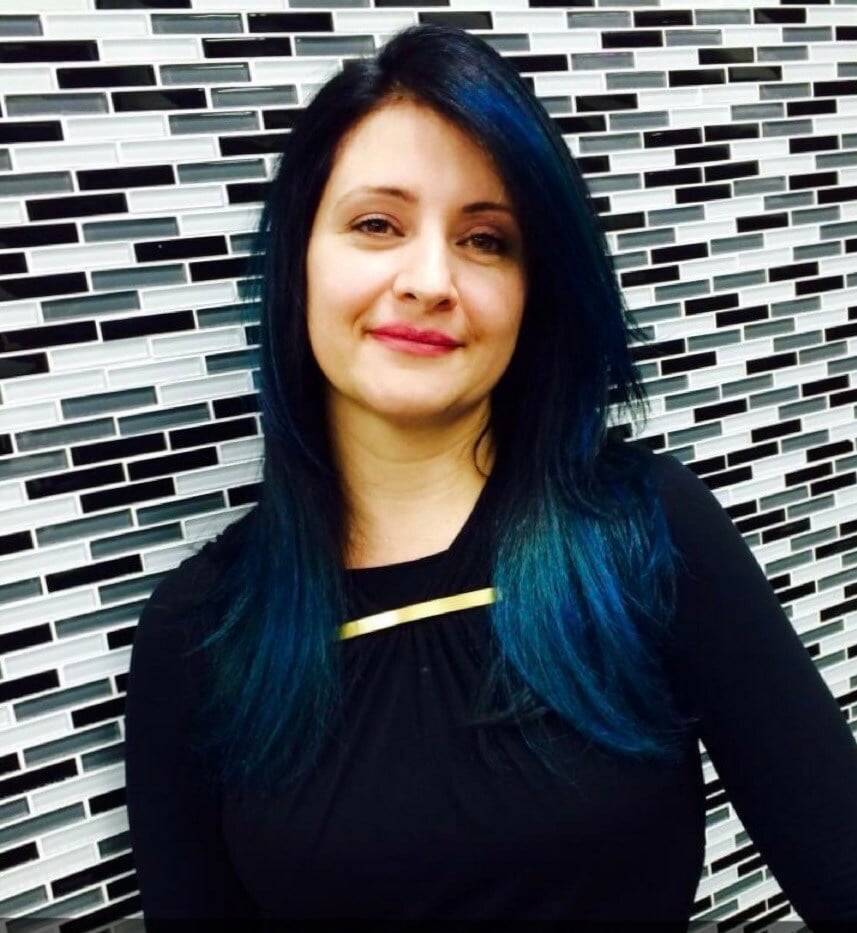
456, 662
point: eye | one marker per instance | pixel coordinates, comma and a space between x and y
371, 220
490, 243
497, 244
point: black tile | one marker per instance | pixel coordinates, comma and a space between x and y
792, 271
245, 48
37, 235
786, 531
13, 263
802, 108
649, 276
812, 143
142, 4
84, 205
91, 876
86, 454
711, 303
719, 410
28, 685
694, 154
160, 99
236, 405
584, 123
252, 145
756, 73
846, 33
829, 485
837, 195
249, 492
840, 332
692, 77
731, 170
281, 118
205, 270
824, 386
715, 134
594, 165
93, 573
774, 15
767, 364
680, 253
834, 88
97, 712
290, 22
697, 193
17, 541
464, 19
813, 180
742, 316
43, 50
35, 338
738, 56
687, 362
174, 463
600, 102
657, 350
39, 286
601, 204
780, 429
632, 39
762, 222
213, 433
825, 283
246, 192
180, 248
629, 221
73, 480
644, 18
168, 322
38, 777
25, 365
684, 137
5, 441
107, 76
136, 177
30, 131
534, 62
125, 495
672, 177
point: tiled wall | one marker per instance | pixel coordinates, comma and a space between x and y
720, 139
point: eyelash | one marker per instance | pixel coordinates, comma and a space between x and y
500, 243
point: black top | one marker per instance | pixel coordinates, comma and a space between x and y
404, 821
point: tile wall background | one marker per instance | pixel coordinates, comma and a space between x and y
720, 140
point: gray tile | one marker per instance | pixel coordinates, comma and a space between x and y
630, 260
5, 161
103, 757
599, 61
35, 183
757, 111
837, 367
143, 228
795, 341
203, 24
796, 305
20, 589
825, 351
817, 250
654, 313
22, 902
666, 385
16, 467
71, 744
783, 53
676, 215
740, 279
787, 128
43, 823
698, 432
139, 276
748, 385
805, 407
847, 70
682, 289
204, 74
784, 91
807, 34
232, 361
121, 842
96, 404
815, 215
129, 589
773, 397
560, 104
715, 338
185, 123
610, 142
242, 242
736, 244
606, 183
84, 527
693, 37
65, 434
833, 159
334, 45
168, 511
646, 238
688, 399
769, 328
25, 105
90, 306
723, 17
639, 121
228, 314
62, 699
622, 80
599, 20
20, 26
99, 620
847, 228
135, 540
775, 202
758, 185
64, 907
12, 810
507, 43
163, 418
283, 95
223, 170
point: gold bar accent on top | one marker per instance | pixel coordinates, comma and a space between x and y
424, 610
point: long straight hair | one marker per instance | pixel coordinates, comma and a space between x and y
580, 550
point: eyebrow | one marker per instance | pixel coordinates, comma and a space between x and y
411, 198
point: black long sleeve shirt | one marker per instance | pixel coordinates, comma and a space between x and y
403, 822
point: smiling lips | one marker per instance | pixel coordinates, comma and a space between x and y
403, 332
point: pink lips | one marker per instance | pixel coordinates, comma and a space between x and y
405, 332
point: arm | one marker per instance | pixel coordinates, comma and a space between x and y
773, 730
183, 868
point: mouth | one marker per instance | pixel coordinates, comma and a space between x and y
413, 347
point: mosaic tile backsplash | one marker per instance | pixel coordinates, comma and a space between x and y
719, 140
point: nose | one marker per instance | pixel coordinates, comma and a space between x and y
425, 272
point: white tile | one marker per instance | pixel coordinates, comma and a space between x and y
529, 20
43, 871
161, 49
370, 20
39, 512
734, 93
681, 117
831, 16
34, 78
47, 560
63, 258
208, 526
99, 354
640, 162
661, 59
759, 294
837, 264
831, 51
212, 387
256, 6
19, 314
197, 295
574, 82
649, 199
244, 448
91, 829
827, 125
11, 494
223, 338
166, 558
12, 212
565, 40
220, 477
94, 25
181, 149
791, 236
703, 268
291, 70
113, 126
43, 609
808, 71
56, 654
25, 417
742, 35
95, 155
735, 207
151, 373
776, 146
79, 788
243, 220
33, 732
101, 664
764, 258
54, 385
153, 200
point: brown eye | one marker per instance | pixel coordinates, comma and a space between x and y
371, 220
495, 244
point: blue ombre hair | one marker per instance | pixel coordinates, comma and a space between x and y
581, 552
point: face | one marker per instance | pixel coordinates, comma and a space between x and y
443, 253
